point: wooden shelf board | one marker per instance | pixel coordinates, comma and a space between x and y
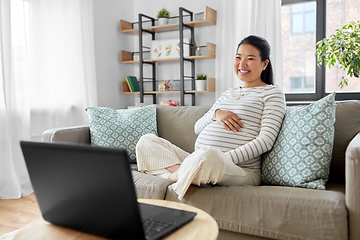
129, 62
210, 88
163, 60
169, 27
157, 92
160, 92
202, 23
199, 57
130, 31
194, 91
163, 28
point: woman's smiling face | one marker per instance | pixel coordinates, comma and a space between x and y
248, 65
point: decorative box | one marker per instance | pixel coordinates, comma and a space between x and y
146, 55
199, 16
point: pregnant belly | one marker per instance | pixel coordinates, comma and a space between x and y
217, 136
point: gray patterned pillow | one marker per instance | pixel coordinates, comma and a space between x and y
301, 154
121, 128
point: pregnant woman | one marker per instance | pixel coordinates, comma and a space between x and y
241, 125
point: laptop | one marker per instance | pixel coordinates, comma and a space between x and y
91, 189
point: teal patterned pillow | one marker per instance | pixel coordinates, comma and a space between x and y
301, 154
121, 128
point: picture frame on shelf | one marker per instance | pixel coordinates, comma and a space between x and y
166, 85
168, 48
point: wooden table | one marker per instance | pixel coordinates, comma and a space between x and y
202, 227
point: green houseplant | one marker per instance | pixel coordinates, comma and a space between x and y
201, 77
200, 83
342, 47
163, 16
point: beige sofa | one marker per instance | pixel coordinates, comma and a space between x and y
262, 212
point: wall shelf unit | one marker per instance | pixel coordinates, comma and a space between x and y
126, 57
127, 27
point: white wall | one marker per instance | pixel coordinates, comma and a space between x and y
109, 42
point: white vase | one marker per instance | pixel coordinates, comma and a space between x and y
163, 21
200, 85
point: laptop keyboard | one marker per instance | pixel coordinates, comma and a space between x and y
154, 226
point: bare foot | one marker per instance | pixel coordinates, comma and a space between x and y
173, 176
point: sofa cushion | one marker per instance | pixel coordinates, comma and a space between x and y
121, 128
272, 211
301, 154
176, 124
149, 186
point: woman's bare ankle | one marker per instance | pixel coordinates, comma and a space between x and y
173, 168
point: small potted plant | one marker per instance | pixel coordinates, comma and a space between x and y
163, 16
200, 82
343, 48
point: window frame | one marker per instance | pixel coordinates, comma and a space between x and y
320, 71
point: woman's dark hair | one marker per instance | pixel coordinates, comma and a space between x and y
264, 48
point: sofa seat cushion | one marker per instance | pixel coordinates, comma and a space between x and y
272, 211
148, 186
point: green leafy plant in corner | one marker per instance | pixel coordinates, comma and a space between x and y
163, 13
201, 77
343, 48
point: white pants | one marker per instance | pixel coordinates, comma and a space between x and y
204, 166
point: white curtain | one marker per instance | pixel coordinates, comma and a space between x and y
47, 77
238, 19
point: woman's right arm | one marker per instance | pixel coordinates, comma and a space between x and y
208, 117
229, 120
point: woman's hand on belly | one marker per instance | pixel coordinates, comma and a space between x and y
229, 120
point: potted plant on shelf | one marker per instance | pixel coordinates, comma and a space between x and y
200, 82
163, 16
343, 48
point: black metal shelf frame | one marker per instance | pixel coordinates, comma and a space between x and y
182, 26
182, 59
141, 58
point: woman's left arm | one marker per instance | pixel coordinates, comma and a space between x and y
271, 120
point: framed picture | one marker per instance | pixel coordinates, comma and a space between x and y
168, 48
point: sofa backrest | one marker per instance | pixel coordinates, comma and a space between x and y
347, 125
176, 124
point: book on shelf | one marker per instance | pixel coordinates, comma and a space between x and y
133, 84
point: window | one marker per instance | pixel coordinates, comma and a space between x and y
304, 22
299, 42
302, 84
303, 18
339, 12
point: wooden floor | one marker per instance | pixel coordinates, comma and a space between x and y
16, 213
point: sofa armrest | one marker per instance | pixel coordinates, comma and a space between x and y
352, 186
78, 134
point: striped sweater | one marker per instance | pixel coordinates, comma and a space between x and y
261, 110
